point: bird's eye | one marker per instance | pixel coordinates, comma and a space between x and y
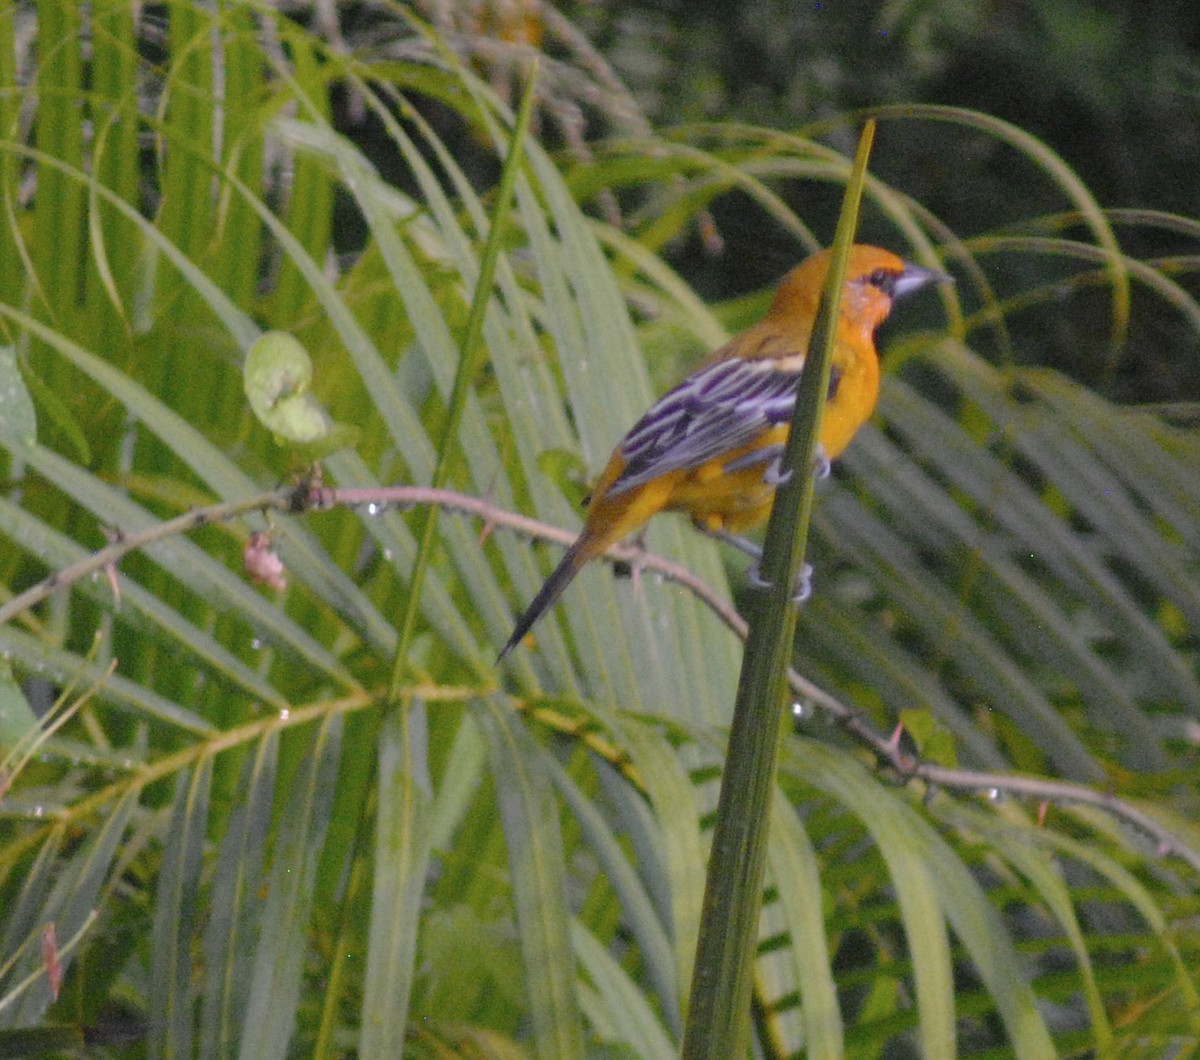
884, 279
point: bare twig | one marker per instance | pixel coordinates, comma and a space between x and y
309, 497
124, 543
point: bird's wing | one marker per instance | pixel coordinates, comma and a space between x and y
715, 411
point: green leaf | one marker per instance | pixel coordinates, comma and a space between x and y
894, 831
17, 720
538, 870
402, 849
795, 874
277, 376
671, 850
235, 904
57, 412
645, 926
82, 875
176, 908
934, 742
275, 981
619, 1009
1009, 559
1020, 844
18, 419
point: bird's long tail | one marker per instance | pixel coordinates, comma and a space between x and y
585, 548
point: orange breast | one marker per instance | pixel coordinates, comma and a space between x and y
853, 401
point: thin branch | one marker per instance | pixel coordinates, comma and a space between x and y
307, 497
124, 543
295, 500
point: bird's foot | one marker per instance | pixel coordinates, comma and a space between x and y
822, 465
632, 567
801, 591
775, 475
803, 587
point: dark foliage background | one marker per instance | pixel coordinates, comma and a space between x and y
1113, 87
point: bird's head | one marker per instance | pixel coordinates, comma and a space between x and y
875, 280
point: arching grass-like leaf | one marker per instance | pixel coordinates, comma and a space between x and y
238, 850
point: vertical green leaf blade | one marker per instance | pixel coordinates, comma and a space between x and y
17, 720
796, 875
620, 1010
176, 905
719, 1010
916, 891
283, 939
235, 904
60, 200
402, 847
529, 812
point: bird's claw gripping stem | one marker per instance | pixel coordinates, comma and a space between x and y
801, 591
822, 465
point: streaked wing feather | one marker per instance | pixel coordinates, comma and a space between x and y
717, 410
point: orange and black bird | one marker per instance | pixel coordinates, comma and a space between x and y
711, 447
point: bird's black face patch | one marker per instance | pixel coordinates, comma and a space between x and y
885, 280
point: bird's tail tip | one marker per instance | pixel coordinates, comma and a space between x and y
576, 556
513, 641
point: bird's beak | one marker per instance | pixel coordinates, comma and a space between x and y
914, 277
